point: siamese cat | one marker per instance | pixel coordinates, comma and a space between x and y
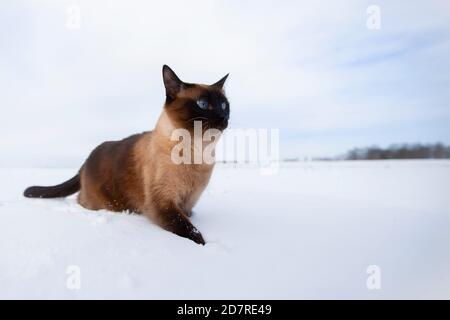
137, 173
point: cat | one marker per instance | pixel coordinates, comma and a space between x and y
137, 173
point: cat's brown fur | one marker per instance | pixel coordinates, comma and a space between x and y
138, 174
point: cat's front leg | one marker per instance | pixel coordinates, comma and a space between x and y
174, 220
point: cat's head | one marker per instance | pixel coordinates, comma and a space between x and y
189, 102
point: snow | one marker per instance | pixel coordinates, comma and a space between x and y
309, 231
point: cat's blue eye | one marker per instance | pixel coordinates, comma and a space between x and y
224, 105
203, 104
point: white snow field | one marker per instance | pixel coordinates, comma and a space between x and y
309, 231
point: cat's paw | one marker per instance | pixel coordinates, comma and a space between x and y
180, 225
196, 236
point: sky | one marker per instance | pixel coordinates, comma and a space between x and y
312, 69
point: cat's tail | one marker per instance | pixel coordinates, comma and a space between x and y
61, 190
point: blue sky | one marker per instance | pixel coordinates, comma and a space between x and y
309, 68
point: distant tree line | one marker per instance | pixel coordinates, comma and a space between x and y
404, 151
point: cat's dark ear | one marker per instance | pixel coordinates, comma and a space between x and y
219, 84
172, 83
